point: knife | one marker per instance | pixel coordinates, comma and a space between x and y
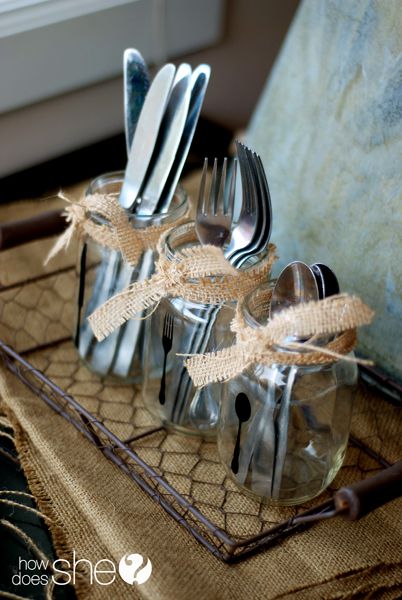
171, 131
199, 84
136, 86
146, 135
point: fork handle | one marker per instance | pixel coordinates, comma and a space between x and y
162, 398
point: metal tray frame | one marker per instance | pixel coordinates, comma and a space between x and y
177, 506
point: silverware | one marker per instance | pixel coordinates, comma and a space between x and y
295, 284
255, 217
213, 220
146, 134
170, 132
168, 140
81, 290
117, 274
326, 279
169, 172
243, 412
136, 86
199, 84
167, 342
212, 224
259, 186
244, 231
281, 428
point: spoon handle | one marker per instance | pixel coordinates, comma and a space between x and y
235, 460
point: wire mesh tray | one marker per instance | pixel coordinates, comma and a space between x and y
183, 474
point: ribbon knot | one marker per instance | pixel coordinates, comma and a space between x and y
101, 217
338, 316
198, 273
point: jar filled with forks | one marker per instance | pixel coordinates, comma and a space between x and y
104, 270
181, 325
284, 427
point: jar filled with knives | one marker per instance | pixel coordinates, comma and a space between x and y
123, 214
108, 266
186, 323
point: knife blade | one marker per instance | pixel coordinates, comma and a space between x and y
199, 83
146, 134
168, 141
136, 86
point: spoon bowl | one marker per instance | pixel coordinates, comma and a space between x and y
296, 284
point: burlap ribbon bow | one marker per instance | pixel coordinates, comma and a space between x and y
111, 227
339, 314
199, 274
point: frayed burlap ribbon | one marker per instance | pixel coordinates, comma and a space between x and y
117, 233
335, 316
198, 274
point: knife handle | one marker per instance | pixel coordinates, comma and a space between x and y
46, 224
362, 497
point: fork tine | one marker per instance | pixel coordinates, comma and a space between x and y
171, 322
240, 154
232, 190
220, 202
249, 199
213, 190
252, 172
201, 208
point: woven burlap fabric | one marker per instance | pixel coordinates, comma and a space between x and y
101, 513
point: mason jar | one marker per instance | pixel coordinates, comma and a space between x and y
179, 327
103, 272
284, 429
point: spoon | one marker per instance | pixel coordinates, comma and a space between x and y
328, 284
243, 412
295, 284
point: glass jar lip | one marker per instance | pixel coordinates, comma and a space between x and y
251, 320
188, 232
178, 231
172, 214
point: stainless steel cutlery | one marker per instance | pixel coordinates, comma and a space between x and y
160, 121
248, 238
146, 134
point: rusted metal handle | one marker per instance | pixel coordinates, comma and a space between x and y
362, 497
46, 224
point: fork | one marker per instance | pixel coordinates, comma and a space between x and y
213, 221
249, 236
167, 342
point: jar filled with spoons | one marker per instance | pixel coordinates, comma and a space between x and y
284, 428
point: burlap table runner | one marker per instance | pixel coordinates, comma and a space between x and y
101, 513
